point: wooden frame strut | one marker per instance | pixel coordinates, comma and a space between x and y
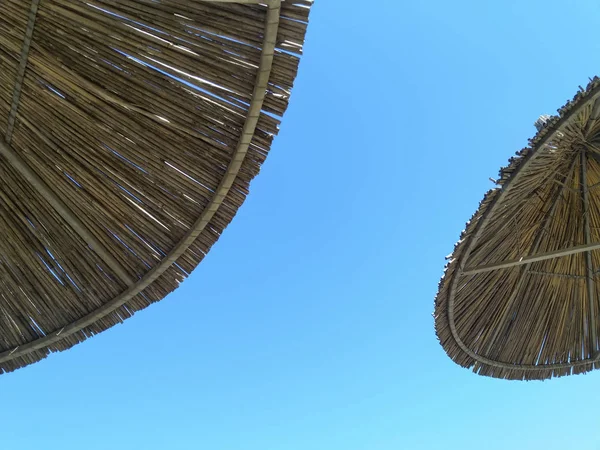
64, 211
536, 245
21, 70
589, 280
532, 258
19, 164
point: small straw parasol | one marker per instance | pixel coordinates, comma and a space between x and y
519, 298
132, 130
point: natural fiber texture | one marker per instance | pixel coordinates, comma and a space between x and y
513, 303
132, 132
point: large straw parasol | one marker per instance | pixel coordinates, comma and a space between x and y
132, 130
520, 296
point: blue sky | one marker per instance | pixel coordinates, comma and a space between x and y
309, 324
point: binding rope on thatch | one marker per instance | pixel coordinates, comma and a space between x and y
133, 129
493, 311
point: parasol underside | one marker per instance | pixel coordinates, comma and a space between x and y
132, 130
520, 296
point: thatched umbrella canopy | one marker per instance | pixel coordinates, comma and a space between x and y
132, 129
520, 295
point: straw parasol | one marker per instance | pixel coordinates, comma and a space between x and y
519, 298
132, 129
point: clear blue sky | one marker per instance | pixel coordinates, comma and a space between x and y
308, 327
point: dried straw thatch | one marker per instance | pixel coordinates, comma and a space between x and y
132, 131
520, 296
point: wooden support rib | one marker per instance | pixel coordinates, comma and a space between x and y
535, 248
556, 275
589, 280
26, 172
61, 208
532, 258
594, 116
21, 70
248, 130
